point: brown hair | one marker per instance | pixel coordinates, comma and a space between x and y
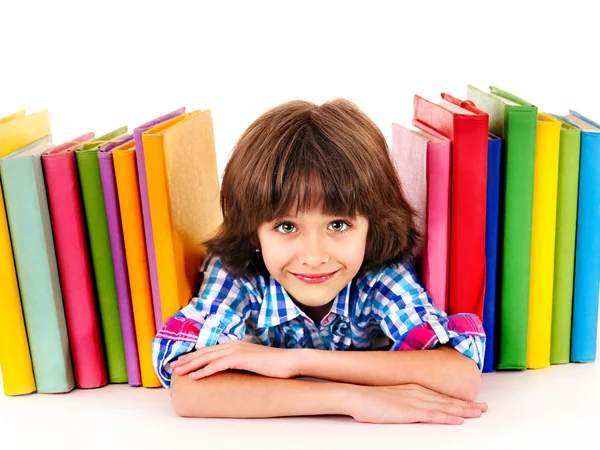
299, 145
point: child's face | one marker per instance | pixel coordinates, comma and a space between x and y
313, 244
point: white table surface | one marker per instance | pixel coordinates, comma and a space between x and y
532, 409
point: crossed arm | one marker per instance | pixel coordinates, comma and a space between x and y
437, 385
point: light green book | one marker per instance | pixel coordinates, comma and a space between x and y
36, 265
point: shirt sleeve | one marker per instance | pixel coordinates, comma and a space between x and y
216, 315
408, 317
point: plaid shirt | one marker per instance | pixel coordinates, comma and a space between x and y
389, 304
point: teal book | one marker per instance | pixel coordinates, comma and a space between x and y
36, 265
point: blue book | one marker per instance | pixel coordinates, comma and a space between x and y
491, 248
587, 248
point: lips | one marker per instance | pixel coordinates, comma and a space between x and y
314, 277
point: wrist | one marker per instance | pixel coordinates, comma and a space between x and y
342, 398
301, 362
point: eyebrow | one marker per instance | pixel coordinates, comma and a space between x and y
292, 218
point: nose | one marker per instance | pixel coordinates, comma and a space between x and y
313, 251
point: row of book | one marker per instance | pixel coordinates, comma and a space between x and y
100, 242
508, 198
101, 237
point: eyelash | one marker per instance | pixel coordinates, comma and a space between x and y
345, 222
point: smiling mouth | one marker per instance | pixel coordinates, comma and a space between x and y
314, 278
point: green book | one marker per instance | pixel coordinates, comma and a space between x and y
97, 227
566, 231
514, 120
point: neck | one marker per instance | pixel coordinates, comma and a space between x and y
316, 313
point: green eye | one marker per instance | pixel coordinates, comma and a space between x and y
285, 227
340, 225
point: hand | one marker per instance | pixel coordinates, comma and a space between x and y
409, 403
240, 355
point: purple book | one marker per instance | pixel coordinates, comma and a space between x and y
141, 166
115, 231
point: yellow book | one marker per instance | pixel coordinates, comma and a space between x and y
17, 371
12, 116
132, 223
4, 120
543, 232
183, 191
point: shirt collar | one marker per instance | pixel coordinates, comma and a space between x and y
277, 306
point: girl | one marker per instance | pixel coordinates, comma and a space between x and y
314, 254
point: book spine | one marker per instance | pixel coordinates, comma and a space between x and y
35, 260
516, 213
468, 197
566, 229
75, 272
587, 256
543, 235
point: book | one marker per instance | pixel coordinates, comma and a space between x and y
115, 232
139, 154
37, 273
586, 294
16, 131
566, 229
422, 161
514, 120
183, 195
494, 186
543, 235
467, 127
101, 256
74, 266
137, 263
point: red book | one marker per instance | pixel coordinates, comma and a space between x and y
467, 127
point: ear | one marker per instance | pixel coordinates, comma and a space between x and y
254, 241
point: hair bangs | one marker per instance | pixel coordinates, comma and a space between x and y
309, 177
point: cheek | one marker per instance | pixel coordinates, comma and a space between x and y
275, 256
351, 251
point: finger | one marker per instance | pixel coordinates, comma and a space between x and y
197, 363
431, 395
456, 409
481, 405
435, 416
197, 354
215, 367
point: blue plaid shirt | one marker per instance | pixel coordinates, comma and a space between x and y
386, 305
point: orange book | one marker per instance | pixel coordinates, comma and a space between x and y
135, 252
183, 192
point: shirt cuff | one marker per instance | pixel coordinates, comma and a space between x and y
210, 331
464, 332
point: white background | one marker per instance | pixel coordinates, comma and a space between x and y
99, 65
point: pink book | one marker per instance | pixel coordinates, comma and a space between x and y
76, 278
422, 160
